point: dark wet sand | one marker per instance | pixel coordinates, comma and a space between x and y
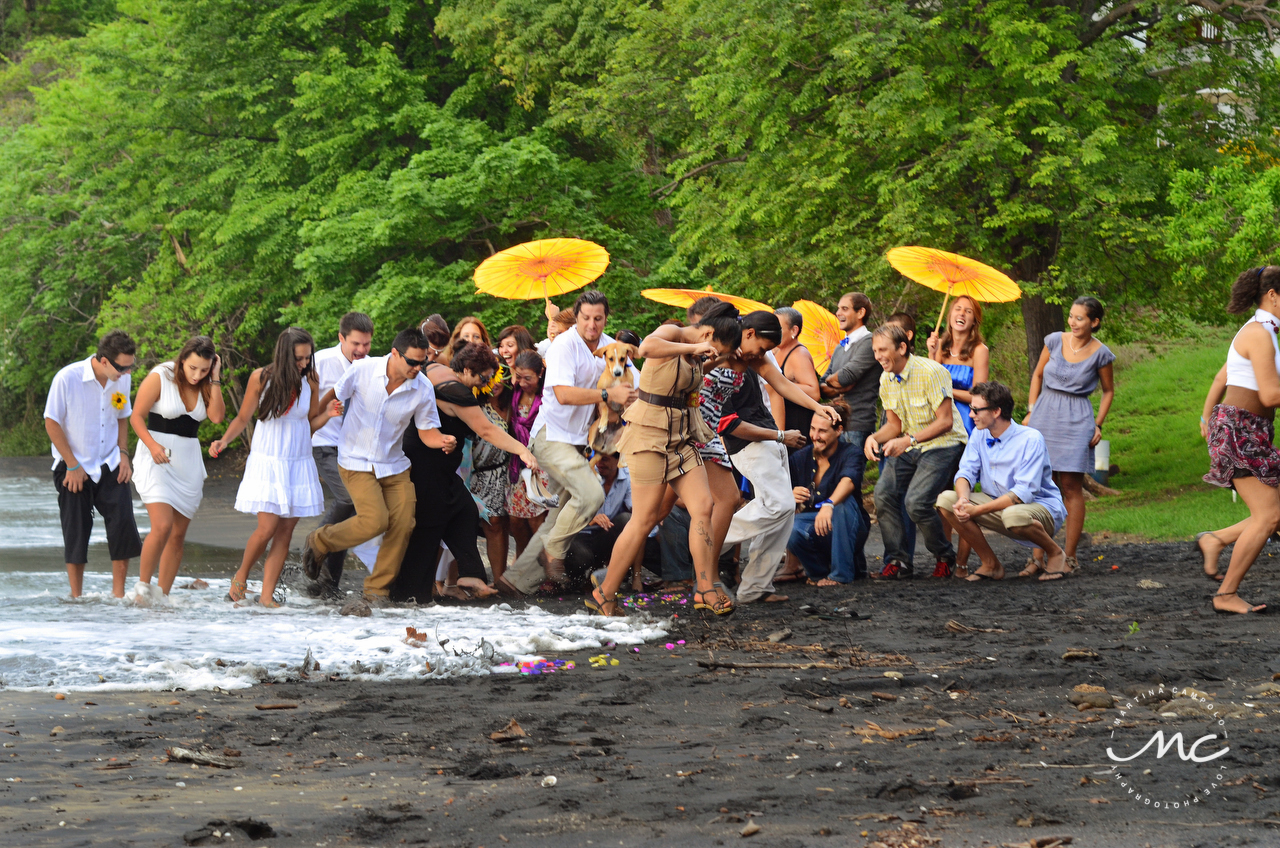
649, 752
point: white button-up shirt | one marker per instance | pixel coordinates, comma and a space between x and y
569, 363
374, 425
330, 366
89, 414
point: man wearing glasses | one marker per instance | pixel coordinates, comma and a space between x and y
380, 395
1018, 498
87, 419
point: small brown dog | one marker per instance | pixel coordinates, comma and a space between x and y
607, 426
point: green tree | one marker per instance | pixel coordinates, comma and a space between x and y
804, 139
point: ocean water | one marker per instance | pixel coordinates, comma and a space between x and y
197, 640
29, 516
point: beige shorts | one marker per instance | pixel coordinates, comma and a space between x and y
1002, 520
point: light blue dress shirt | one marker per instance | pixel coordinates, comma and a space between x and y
1016, 462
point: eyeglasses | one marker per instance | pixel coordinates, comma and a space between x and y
974, 410
123, 369
413, 363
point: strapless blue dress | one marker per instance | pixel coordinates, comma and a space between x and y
962, 378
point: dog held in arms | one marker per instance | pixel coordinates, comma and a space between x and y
606, 428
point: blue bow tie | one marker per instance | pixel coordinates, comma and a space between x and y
898, 377
992, 442
845, 341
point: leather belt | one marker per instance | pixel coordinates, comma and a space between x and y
669, 401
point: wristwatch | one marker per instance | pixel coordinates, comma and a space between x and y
778, 439
914, 443
604, 395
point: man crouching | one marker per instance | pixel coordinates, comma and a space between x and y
1018, 499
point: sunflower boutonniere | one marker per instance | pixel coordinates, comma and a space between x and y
495, 384
118, 400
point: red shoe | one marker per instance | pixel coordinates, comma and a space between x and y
944, 568
896, 571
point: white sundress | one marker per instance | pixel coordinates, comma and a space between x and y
280, 476
179, 482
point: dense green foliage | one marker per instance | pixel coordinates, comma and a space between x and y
231, 166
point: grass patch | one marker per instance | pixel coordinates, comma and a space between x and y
1154, 428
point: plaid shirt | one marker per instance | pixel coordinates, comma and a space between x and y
915, 395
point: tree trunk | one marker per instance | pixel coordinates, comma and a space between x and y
1040, 319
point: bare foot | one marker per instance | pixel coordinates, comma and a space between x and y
1231, 602
773, 598
476, 587
1211, 548
455, 593
1056, 568
826, 581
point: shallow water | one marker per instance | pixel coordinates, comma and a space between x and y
29, 516
197, 640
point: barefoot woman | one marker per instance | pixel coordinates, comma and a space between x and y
1241, 428
659, 444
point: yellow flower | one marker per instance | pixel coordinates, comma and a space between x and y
118, 400
489, 388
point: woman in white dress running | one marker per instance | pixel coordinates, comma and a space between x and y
280, 482
168, 468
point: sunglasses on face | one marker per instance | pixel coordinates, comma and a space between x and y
413, 363
976, 409
122, 369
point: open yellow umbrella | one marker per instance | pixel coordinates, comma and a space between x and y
953, 275
687, 297
541, 268
821, 333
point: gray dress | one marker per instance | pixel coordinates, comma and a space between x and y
1063, 413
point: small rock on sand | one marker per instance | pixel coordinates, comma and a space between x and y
359, 607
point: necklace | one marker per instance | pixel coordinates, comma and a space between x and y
1075, 349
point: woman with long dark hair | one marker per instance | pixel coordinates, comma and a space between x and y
757, 450
168, 469
660, 445
445, 510
280, 482
1241, 430
526, 515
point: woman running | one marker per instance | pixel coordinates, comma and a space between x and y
280, 482
1242, 428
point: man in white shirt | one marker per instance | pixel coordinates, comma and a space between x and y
380, 396
355, 336
87, 419
559, 441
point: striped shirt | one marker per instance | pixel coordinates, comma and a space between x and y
915, 395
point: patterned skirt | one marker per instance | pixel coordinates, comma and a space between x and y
1240, 444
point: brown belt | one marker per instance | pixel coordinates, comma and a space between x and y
669, 401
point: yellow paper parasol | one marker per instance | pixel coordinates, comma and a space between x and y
821, 333
541, 268
687, 297
954, 275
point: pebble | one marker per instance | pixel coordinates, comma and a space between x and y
180, 785
750, 829
59, 697
549, 780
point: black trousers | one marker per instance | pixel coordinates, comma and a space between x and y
113, 499
453, 519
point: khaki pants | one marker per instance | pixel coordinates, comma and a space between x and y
383, 506
581, 497
1002, 520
